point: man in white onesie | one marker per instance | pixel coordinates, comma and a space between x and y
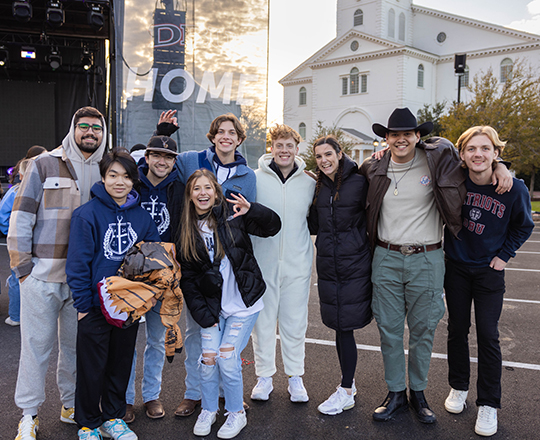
285, 261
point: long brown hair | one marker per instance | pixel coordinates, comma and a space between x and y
333, 142
190, 226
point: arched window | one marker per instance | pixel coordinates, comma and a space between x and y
302, 97
420, 78
353, 79
302, 130
506, 69
402, 26
391, 23
358, 17
465, 78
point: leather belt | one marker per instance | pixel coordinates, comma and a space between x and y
409, 249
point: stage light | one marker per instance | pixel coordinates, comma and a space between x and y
22, 10
55, 14
95, 17
86, 59
4, 57
54, 59
28, 53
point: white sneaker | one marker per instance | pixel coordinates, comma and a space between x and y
456, 401
117, 430
337, 402
236, 421
486, 421
262, 390
10, 321
28, 427
89, 434
297, 390
204, 423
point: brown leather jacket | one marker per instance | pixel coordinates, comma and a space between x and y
448, 184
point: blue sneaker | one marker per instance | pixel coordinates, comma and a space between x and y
117, 430
89, 434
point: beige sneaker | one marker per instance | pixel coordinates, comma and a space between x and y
67, 415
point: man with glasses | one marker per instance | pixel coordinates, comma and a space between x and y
55, 184
162, 195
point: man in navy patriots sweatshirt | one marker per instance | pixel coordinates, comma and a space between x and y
102, 231
494, 228
161, 195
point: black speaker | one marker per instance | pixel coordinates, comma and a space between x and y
460, 61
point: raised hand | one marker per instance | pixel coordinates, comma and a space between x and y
240, 204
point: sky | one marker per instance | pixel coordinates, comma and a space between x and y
299, 28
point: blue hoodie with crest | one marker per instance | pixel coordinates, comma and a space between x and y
101, 233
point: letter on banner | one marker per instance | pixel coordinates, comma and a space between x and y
242, 86
208, 84
166, 83
147, 84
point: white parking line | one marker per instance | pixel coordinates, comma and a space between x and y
523, 270
526, 252
433, 355
528, 301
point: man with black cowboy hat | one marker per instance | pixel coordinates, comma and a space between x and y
414, 189
162, 195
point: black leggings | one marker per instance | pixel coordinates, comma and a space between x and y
347, 355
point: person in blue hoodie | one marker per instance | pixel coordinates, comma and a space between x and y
494, 228
161, 195
226, 134
102, 231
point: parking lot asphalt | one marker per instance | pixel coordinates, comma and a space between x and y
278, 418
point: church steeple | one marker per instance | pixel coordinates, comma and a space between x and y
388, 19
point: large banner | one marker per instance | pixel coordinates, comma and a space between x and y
202, 58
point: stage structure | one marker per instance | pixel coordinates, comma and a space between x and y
200, 57
54, 58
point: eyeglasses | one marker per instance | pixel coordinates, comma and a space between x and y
156, 156
85, 127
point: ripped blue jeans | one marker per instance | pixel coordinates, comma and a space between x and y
221, 360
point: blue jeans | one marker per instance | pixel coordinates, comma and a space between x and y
217, 342
14, 297
154, 359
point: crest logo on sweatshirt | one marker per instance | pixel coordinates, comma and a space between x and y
119, 237
159, 213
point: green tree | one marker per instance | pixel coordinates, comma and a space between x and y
320, 131
512, 108
433, 114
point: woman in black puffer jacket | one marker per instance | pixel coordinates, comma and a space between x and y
338, 217
222, 285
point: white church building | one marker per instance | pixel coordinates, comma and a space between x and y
389, 54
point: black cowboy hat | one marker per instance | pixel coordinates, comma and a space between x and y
402, 119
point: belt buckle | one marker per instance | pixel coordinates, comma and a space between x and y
406, 250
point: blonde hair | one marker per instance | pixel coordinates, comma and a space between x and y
190, 227
478, 130
282, 131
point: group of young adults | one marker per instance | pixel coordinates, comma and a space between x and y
243, 244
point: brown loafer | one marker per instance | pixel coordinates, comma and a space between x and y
187, 407
154, 409
130, 414
222, 402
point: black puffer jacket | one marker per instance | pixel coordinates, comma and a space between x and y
233, 235
343, 254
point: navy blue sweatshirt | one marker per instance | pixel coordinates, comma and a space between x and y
494, 225
154, 199
101, 234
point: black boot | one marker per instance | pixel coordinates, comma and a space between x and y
421, 407
393, 404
